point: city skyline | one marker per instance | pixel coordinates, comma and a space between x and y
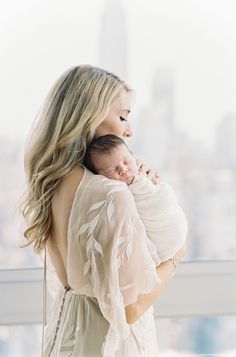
198, 48
202, 179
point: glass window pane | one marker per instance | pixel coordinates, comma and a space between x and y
184, 118
20, 341
187, 337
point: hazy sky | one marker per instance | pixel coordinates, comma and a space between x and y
41, 38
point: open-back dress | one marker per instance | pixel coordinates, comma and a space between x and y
108, 266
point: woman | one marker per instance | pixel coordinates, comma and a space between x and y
90, 225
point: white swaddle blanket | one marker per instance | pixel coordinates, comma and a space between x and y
163, 218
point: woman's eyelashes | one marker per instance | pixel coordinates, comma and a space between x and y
122, 119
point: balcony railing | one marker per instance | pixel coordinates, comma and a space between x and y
199, 288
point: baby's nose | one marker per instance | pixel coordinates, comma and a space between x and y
123, 170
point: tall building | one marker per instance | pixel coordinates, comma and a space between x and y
156, 124
163, 96
226, 142
113, 47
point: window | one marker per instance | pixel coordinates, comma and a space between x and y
180, 57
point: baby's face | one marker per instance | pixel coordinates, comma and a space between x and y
117, 165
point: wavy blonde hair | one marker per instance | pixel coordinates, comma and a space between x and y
77, 103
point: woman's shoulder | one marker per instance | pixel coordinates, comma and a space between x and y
100, 187
109, 186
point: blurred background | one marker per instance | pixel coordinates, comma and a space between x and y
179, 57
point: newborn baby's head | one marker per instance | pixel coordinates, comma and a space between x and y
109, 155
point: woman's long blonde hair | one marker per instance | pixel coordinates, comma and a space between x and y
77, 103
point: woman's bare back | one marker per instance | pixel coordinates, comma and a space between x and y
61, 208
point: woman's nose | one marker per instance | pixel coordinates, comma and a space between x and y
128, 131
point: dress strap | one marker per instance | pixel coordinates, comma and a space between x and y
44, 299
59, 320
45, 306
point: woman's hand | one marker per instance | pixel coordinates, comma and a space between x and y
181, 252
151, 174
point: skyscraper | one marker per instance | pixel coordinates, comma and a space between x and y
226, 141
156, 124
113, 39
163, 96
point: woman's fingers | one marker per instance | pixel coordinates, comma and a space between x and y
139, 164
181, 252
154, 177
151, 174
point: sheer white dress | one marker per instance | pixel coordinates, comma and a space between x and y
108, 266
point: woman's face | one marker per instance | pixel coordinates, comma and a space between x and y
117, 122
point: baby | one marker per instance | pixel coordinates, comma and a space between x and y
163, 218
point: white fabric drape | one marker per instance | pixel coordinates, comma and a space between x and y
108, 266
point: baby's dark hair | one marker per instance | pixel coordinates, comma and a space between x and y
104, 145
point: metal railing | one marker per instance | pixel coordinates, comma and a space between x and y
199, 288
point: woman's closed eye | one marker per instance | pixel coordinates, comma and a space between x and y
123, 119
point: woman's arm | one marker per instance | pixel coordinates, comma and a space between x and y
165, 271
